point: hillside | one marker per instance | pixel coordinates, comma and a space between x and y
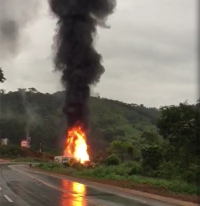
40, 115
124, 121
16, 152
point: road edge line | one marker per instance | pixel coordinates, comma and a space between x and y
8, 198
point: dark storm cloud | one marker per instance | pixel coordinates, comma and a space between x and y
150, 53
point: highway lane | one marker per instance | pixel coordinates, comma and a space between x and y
23, 190
30, 189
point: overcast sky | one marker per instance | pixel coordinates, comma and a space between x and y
150, 53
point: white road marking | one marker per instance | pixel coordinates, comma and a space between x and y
8, 198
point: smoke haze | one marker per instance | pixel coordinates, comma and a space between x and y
14, 16
32, 118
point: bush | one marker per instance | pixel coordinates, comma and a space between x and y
168, 170
11, 151
50, 166
151, 157
66, 164
192, 175
189, 176
109, 172
78, 166
171, 171
135, 169
112, 160
40, 165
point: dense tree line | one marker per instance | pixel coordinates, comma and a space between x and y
175, 154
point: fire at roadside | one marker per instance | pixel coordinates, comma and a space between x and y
76, 145
76, 149
80, 64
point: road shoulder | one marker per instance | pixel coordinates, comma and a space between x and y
117, 190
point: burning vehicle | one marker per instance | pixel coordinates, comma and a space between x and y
70, 161
63, 159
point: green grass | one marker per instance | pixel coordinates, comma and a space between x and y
28, 160
121, 173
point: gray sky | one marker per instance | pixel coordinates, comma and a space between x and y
150, 53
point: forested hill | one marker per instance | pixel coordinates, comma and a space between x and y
40, 115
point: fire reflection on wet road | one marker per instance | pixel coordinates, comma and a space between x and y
76, 199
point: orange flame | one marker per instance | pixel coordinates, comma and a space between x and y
76, 145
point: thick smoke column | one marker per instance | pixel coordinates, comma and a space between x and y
75, 55
14, 15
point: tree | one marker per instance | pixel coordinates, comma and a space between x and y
121, 148
174, 119
33, 90
180, 125
151, 157
2, 78
22, 90
150, 138
2, 91
112, 160
108, 151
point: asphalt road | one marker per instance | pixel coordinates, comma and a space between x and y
32, 189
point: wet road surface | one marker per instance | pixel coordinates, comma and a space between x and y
30, 189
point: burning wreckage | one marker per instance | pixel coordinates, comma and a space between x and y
80, 64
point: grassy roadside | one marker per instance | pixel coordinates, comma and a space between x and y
118, 176
26, 159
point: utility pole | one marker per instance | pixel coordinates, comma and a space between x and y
29, 141
0, 124
40, 147
2, 79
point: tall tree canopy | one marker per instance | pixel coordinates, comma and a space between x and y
2, 78
180, 125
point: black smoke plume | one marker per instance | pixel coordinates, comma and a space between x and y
75, 55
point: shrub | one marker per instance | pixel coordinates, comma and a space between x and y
189, 176
168, 170
192, 175
50, 166
151, 157
135, 169
78, 166
40, 165
112, 160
